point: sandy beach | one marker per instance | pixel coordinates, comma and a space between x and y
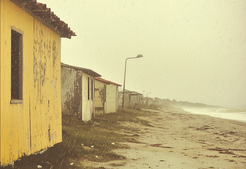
181, 140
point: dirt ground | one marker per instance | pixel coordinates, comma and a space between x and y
180, 140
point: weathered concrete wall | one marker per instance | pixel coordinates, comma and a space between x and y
34, 123
71, 91
126, 99
131, 98
135, 99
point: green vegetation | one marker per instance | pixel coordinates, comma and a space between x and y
93, 141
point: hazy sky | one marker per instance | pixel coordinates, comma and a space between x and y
193, 50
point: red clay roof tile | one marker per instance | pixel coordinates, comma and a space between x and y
46, 16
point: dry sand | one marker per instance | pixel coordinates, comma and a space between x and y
180, 140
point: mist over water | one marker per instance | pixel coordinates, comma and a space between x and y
224, 113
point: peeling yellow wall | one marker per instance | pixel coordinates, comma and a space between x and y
36, 123
0, 74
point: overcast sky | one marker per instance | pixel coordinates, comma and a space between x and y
193, 50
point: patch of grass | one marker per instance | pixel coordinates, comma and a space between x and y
93, 141
117, 164
130, 115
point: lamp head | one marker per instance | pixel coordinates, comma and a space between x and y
139, 56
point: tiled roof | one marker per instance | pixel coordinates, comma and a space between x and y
46, 16
102, 80
87, 71
132, 92
106, 81
115, 83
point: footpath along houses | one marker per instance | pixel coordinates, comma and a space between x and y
30, 78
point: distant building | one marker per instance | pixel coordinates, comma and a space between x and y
77, 91
131, 98
148, 101
106, 96
30, 78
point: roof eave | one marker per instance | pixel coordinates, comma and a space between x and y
61, 28
87, 71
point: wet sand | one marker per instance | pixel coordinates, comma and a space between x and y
181, 140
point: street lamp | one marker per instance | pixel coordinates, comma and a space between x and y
138, 56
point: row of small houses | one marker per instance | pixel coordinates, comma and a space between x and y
84, 94
35, 87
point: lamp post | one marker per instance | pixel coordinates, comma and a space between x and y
123, 98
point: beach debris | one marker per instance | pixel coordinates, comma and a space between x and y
92, 146
86, 147
71, 163
47, 162
96, 156
113, 143
39, 166
40, 152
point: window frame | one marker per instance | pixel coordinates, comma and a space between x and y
88, 87
92, 91
19, 35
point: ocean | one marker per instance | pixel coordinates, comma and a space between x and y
224, 113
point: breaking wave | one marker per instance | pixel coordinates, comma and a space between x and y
224, 113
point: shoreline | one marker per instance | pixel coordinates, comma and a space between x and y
179, 139
220, 112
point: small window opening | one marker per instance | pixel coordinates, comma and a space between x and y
88, 88
92, 87
16, 66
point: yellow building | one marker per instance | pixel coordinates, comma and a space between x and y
106, 96
30, 78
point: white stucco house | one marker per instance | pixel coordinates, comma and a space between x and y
77, 91
106, 96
